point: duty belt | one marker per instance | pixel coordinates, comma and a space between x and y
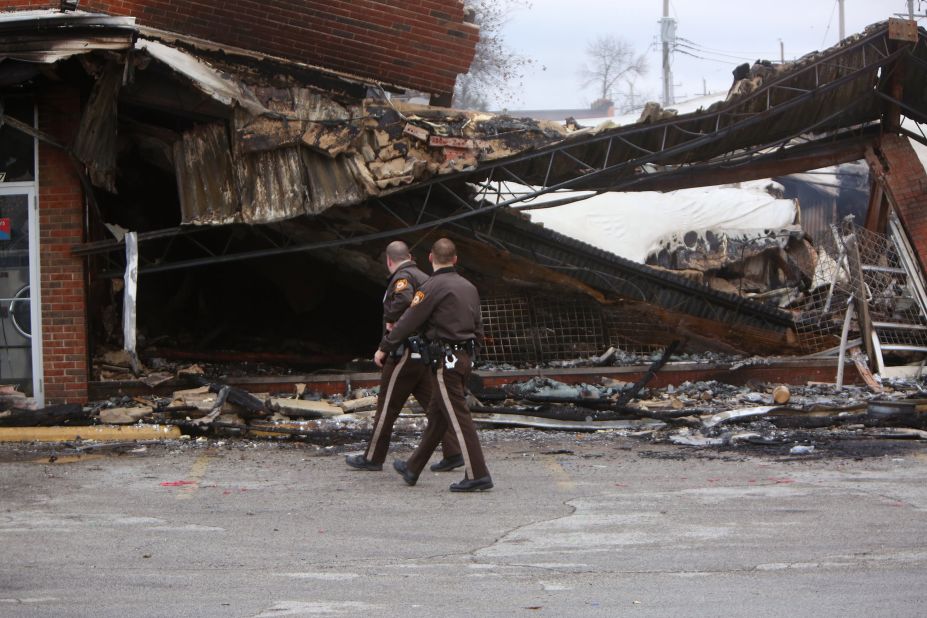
443, 351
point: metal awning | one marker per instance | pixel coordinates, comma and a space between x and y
47, 36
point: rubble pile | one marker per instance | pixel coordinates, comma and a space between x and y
115, 366
792, 419
773, 266
789, 420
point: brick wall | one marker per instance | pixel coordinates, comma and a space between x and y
64, 311
905, 183
418, 44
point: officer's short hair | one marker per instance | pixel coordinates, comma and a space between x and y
398, 251
443, 251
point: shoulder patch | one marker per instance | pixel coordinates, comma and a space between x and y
419, 297
401, 284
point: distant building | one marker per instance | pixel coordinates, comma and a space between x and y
602, 108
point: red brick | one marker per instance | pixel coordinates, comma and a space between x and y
429, 37
906, 185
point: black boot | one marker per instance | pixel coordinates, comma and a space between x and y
362, 463
447, 464
480, 484
407, 475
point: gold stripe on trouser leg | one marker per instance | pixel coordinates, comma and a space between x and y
453, 420
389, 393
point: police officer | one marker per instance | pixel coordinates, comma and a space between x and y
448, 306
402, 374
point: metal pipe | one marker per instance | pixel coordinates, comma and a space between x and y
842, 20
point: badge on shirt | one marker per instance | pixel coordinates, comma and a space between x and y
401, 285
419, 297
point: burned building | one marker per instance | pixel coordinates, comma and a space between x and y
95, 102
202, 193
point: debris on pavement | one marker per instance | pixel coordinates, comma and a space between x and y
789, 420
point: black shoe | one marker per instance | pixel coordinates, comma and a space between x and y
362, 463
447, 464
401, 467
480, 484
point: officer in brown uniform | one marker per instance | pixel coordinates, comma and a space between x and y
402, 374
448, 306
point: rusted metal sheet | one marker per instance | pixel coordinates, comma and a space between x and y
332, 181
95, 144
262, 186
272, 186
206, 176
902, 30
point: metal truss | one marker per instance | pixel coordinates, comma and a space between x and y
499, 184
215, 244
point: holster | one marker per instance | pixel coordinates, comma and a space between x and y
418, 349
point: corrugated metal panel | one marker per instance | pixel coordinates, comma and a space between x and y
272, 186
259, 187
206, 176
332, 182
95, 144
816, 218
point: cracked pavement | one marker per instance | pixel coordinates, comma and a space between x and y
578, 524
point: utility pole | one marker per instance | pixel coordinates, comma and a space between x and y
843, 21
668, 37
911, 9
781, 52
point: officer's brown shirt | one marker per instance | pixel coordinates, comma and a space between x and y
447, 305
400, 290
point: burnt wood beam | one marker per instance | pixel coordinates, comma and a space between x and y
874, 216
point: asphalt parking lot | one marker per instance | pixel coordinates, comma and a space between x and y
578, 525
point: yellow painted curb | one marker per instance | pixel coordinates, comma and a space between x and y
103, 433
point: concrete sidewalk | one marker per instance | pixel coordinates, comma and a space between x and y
578, 525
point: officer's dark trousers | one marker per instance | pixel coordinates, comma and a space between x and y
448, 412
401, 377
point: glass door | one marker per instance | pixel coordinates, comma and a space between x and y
20, 349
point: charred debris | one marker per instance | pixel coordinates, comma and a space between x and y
814, 420
252, 197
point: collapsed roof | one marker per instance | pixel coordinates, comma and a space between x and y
303, 152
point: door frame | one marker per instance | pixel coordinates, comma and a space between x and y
35, 285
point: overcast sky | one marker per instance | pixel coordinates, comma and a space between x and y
725, 33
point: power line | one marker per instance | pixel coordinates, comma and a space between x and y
685, 53
721, 51
708, 53
829, 22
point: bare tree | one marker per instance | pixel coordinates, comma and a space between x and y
611, 61
496, 71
